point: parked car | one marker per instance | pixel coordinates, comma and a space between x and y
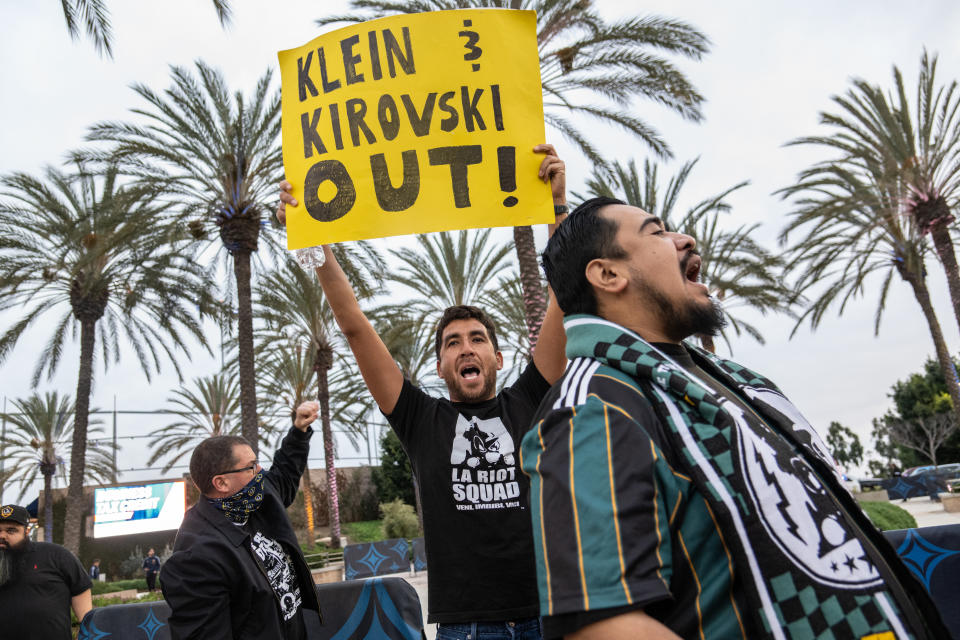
949, 471
912, 471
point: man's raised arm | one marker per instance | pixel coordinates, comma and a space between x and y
549, 355
379, 371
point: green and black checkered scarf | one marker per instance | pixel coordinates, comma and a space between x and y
811, 563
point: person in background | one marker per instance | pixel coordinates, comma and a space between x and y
151, 567
95, 569
237, 570
39, 583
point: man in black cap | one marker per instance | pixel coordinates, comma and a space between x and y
39, 583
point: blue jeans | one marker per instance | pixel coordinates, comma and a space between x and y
528, 629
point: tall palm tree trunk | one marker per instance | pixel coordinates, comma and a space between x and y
248, 384
943, 355
48, 506
308, 507
73, 520
940, 233
534, 300
333, 498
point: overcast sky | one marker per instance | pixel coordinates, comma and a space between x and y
773, 66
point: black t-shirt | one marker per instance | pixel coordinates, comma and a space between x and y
475, 505
36, 605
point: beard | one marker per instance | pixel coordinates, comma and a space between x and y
489, 385
10, 562
680, 321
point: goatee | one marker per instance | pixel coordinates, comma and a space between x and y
10, 562
682, 321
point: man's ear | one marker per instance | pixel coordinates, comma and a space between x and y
219, 484
499, 361
606, 275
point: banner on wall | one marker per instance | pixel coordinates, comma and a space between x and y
414, 123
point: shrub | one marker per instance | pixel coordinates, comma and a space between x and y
399, 520
366, 531
888, 516
99, 588
131, 567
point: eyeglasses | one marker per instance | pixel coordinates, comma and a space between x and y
251, 467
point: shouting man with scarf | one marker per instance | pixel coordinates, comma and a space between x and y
675, 493
237, 570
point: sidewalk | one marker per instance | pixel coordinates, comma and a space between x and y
927, 512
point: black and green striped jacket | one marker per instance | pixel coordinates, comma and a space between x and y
616, 525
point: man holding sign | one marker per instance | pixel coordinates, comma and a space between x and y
464, 451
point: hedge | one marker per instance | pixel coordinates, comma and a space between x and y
888, 517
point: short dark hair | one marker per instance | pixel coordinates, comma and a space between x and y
465, 312
584, 236
212, 457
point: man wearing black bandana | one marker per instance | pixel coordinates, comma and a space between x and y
678, 494
237, 570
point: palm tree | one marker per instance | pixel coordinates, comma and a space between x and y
94, 16
738, 270
103, 254
508, 308
447, 269
853, 229
293, 308
220, 158
919, 157
38, 438
209, 407
287, 379
410, 341
582, 54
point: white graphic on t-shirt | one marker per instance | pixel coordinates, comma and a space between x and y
799, 515
280, 572
483, 465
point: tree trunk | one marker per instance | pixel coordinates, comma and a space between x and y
250, 427
534, 299
940, 234
73, 521
308, 507
48, 507
333, 499
943, 356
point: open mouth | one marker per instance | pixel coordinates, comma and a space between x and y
469, 372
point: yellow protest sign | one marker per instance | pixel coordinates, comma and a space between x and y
414, 123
